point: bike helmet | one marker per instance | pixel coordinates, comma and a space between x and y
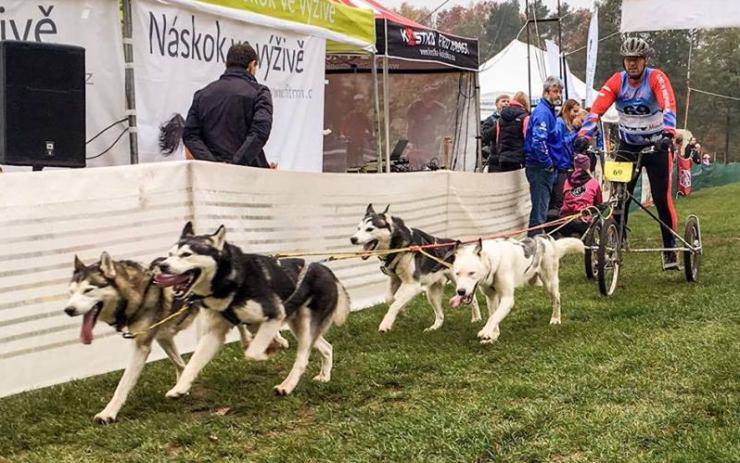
634, 46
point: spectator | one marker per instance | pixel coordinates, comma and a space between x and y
231, 118
580, 192
690, 151
355, 127
487, 126
706, 161
568, 127
507, 153
542, 147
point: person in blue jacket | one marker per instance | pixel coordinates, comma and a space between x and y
568, 126
543, 146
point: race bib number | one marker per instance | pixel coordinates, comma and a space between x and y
618, 171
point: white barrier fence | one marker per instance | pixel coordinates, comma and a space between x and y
137, 212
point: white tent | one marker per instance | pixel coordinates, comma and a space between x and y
507, 73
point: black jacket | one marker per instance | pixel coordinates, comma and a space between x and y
230, 120
509, 143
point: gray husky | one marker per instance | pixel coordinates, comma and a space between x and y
122, 294
409, 273
234, 288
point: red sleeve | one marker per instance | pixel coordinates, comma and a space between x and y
607, 94
604, 99
661, 87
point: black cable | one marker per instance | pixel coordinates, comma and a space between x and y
106, 129
111, 146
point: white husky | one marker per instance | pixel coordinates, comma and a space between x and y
498, 267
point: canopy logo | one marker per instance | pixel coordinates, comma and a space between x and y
413, 38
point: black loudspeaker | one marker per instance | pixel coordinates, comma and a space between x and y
42, 104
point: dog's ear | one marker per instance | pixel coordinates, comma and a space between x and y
370, 209
478, 246
106, 265
386, 209
79, 266
187, 230
219, 238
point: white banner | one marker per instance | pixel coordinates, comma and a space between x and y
592, 54
554, 62
659, 15
96, 26
179, 51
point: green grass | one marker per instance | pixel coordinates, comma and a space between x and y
650, 375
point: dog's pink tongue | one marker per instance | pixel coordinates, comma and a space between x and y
88, 322
455, 301
164, 280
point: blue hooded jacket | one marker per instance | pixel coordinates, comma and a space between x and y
543, 144
565, 161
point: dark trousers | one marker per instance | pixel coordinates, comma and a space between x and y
659, 167
496, 166
541, 182
556, 198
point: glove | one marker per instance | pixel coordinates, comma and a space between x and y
580, 145
664, 143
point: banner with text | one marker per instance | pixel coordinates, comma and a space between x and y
96, 26
179, 51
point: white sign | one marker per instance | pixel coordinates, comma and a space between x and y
592, 55
659, 15
96, 26
179, 51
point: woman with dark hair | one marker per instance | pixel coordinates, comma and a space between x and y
507, 152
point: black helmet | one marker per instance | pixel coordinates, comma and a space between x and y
634, 46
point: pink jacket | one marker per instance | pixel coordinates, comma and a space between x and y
578, 198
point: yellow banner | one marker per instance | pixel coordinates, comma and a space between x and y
357, 23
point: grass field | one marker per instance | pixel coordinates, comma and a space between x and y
650, 375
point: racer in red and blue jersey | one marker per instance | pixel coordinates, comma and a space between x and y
647, 116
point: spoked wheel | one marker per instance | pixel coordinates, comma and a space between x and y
591, 240
609, 256
692, 259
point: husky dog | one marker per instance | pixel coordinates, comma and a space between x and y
235, 288
498, 267
121, 294
409, 273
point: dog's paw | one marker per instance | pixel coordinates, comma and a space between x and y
176, 393
282, 390
554, 321
475, 319
434, 327
488, 337
322, 378
104, 418
385, 327
256, 357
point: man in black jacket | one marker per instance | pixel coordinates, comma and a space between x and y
230, 119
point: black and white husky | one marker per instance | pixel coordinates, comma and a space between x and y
498, 267
409, 273
233, 288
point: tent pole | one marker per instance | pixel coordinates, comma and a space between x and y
529, 58
376, 108
478, 153
128, 52
688, 82
386, 115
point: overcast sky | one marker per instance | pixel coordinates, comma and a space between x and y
431, 4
